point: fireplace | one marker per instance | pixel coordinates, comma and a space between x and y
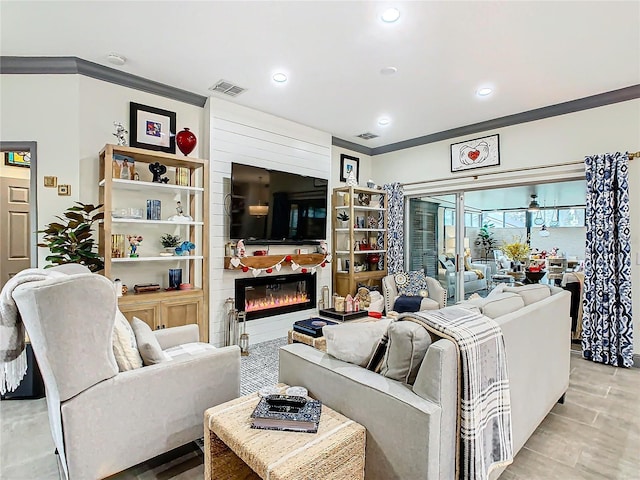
273, 295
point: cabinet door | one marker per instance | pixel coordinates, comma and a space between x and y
175, 313
147, 312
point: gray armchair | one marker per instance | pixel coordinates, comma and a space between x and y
437, 296
104, 421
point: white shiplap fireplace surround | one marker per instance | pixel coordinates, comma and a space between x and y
242, 135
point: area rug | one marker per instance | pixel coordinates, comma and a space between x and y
258, 369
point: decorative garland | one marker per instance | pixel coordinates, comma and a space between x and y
237, 262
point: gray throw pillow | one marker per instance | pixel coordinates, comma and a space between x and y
408, 344
148, 345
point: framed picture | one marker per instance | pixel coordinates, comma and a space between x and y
347, 165
123, 167
476, 153
17, 159
152, 128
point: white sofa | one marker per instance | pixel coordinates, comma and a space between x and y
411, 428
472, 283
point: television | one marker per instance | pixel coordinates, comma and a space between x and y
271, 207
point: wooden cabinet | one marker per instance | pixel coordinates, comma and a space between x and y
360, 238
135, 205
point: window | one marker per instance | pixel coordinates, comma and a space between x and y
472, 219
449, 217
515, 219
497, 218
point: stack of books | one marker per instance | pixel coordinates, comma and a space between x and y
312, 326
182, 176
154, 210
287, 412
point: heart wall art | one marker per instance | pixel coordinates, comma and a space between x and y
476, 153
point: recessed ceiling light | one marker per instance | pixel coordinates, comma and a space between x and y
484, 91
279, 77
388, 70
116, 59
384, 121
390, 15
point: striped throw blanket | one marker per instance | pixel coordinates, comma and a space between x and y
484, 420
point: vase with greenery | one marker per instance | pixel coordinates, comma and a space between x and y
485, 240
343, 218
71, 240
170, 242
518, 252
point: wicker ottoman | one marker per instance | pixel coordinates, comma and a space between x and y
234, 450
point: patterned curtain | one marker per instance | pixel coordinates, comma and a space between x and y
395, 228
607, 331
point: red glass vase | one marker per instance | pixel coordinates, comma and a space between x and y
186, 141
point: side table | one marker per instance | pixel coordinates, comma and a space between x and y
234, 450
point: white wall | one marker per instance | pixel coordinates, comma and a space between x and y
364, 165
71, 119
242, 135
548, 142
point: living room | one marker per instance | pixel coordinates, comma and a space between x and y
71, 116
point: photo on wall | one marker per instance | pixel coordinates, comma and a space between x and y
476, 153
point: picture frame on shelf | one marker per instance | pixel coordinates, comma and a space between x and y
152, 128
123, 167
17, 159
476, 153
347, 164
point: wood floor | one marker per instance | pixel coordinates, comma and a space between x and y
594, 435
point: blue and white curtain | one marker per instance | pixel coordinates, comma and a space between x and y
395, 228
607, 330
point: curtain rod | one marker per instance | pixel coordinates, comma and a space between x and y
631, 156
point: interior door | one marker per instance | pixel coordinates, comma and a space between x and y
15, 240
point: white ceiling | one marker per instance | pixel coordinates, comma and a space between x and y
533, 54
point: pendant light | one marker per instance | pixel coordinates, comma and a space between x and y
544, 232
534, 206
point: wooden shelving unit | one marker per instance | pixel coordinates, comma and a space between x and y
164, 308
362, 203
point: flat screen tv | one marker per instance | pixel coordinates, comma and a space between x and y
270, 206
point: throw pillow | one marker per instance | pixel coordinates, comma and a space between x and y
148, 345
354, 342
412, 283
408, 344
125, 348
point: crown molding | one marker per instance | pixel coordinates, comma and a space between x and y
586, 103
74, 65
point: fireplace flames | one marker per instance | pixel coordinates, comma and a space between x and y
266, 303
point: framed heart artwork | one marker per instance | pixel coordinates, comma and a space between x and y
476, 153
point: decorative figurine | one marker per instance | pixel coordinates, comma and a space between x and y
120, 134
134, 242
157, 169
240, 250
180, 216
185, 248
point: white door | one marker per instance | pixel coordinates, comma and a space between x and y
15, 237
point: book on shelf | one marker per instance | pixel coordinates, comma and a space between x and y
154, 210
286, 412
182, 176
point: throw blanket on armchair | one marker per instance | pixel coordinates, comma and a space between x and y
484, 419
13, 360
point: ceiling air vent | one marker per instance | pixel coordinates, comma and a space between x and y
367, 136
227, 88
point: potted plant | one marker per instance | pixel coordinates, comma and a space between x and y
516, 251
170, 242
485, 240
343, 218
71, 240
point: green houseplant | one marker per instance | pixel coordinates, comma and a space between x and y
71, 240
485, 240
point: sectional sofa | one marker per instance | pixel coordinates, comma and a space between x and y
411, 428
